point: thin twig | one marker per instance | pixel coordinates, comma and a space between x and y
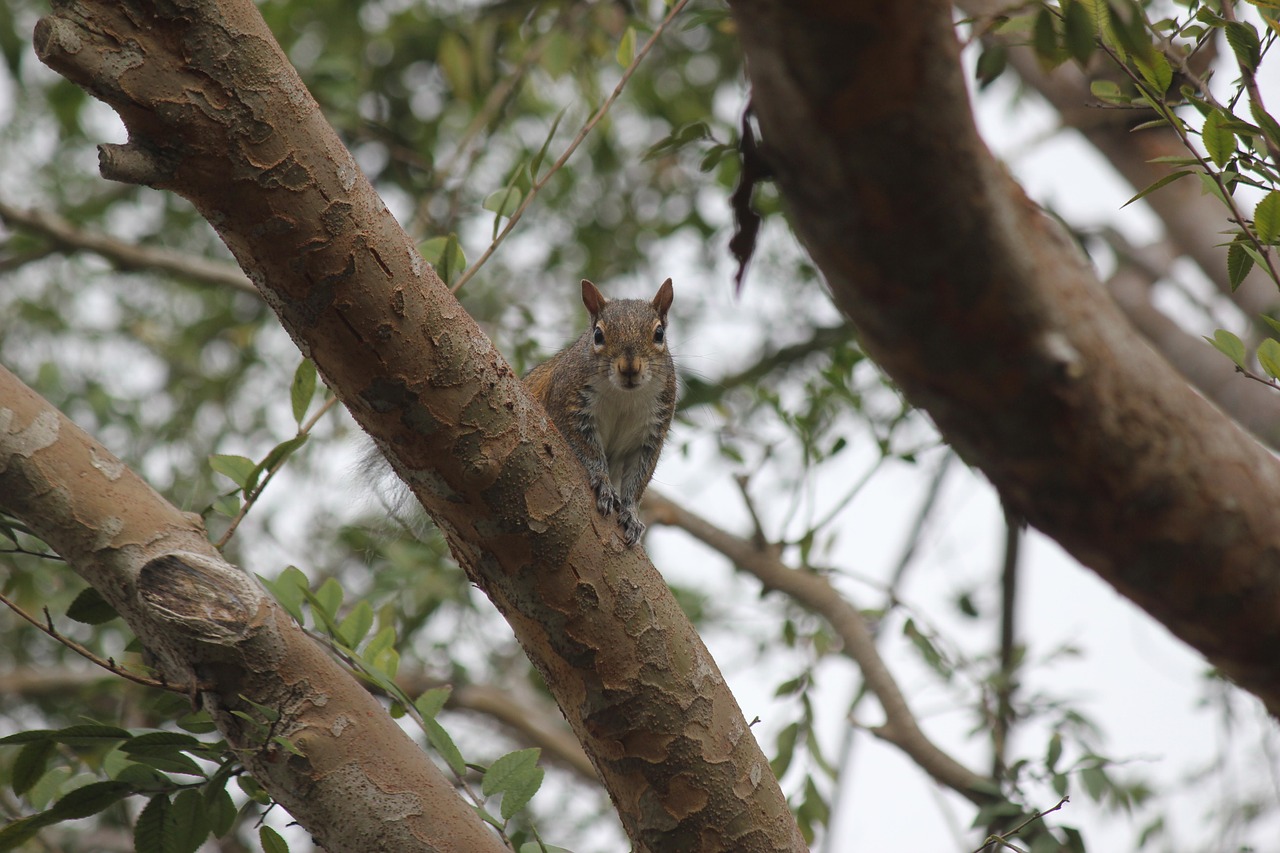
1251, 85
1002, 839
252, 498
573, 146
106, 663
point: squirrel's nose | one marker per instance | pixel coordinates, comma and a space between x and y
629, 371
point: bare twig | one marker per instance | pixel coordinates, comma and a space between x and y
815, 593
106, 663
1002, 839
573, 146
125, 255
252, 498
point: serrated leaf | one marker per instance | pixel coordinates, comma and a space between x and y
431, 702
1079, 31
27, 737
159, 743
21, 831
1165, 181
302, 388
271, 841
1229, 345
221, 811
518, 795
90, 734
444, 745
329, 597
1269, 357
154, 831
90, 608
626, 52
1239, 263
30, 764
357, 623
1219, 141
508, 770
90, 800
1045, 43
192, 820
1244, 42
1266, 217
1155, 69
384, 639
173, 762
1272, 322
279, 453
238, 468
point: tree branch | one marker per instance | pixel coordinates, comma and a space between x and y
630, 673
1002, 333
207, 624
814, 593
126, 256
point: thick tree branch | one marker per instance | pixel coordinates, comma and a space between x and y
360, 782
216, 113
814, 593
986, 316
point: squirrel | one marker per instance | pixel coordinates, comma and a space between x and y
611, 394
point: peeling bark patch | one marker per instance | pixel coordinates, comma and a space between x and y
340, 725
744, 785
110, 467
289, 174
684, 797
37, 435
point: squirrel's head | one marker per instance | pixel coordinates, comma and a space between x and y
627, 335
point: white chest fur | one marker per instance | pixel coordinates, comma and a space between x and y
624, 419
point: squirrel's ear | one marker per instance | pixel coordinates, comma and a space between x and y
662, 302
592, 298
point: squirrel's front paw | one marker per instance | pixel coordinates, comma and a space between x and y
607, 500
632, 527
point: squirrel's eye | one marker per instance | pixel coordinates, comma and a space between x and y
659, 334
599, 337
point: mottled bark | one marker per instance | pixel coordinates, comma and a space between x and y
988, 319
216, 114
360, 782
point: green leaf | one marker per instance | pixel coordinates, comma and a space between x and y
1272, 322
271, 841
1266, 217
290, 590
445, 254
329, 597
444, 745
785, 749
626, 52
1155, 69
927, 649
1219, 141
1239, 263
991, 63
1079, 31
1269, 357
1053, 753
278, 454
238, 468
90, 800
17, 833
288, 746
155, 831
430, 703
517, 777
520, 792
90, 608
192, 820
90, 734
221, 811
1045, 42
1229, 345
303, 388
29, 766
1165, 181
228, 505
1108, 92
357, 623
503, 202
383, 640
27, 737
454, 59
1244, 42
